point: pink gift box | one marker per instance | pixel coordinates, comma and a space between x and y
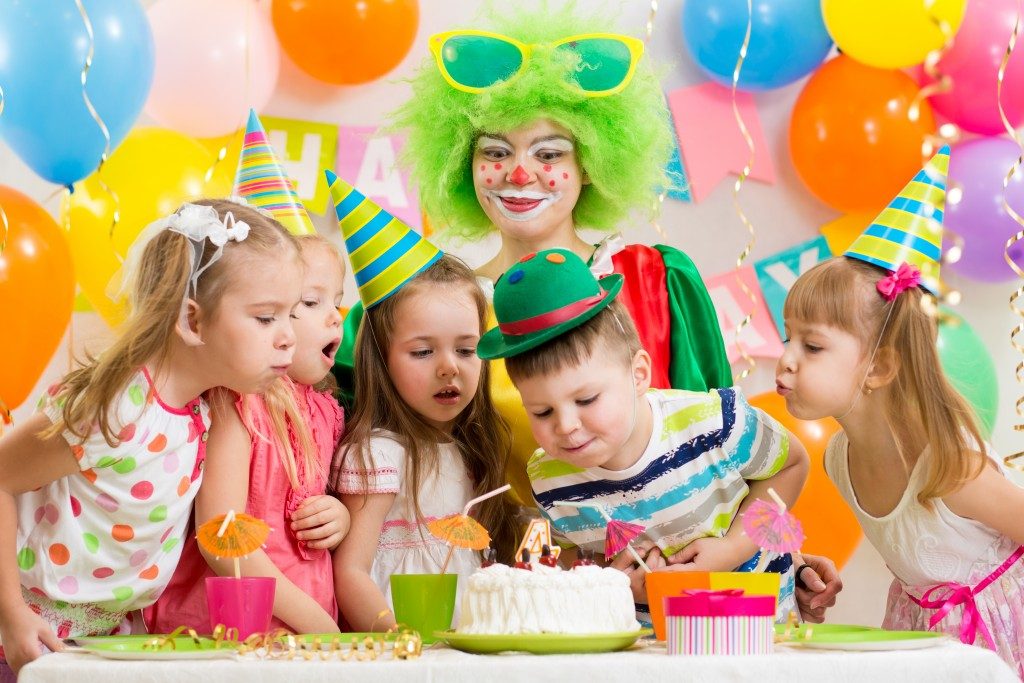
724, 622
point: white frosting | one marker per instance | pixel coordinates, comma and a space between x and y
502, 600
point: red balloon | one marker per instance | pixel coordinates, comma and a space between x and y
831, 528
37, 290
346, 42
851, 137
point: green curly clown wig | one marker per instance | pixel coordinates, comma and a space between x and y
623, 141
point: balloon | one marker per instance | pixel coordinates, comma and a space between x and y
346, 42
152, 174
37, 288
979, 167
973, 65
43, 47
851, 140
969, 368
831, 527
214, 60
890, 34
787, 40
841, 232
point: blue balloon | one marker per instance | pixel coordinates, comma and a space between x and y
43, 47
788, 40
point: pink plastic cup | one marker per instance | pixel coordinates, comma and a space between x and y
246, 603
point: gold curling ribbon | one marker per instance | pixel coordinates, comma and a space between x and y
99, 122
947, 134
223, 151
793, 630
283, 644
1015, 305
941, 82
167, 642
659, 201
747, 358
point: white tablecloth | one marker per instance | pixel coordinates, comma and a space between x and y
950, 661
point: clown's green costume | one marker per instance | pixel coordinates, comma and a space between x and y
597, 87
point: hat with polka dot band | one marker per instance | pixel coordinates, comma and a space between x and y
544, 295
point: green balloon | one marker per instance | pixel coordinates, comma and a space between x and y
969, 368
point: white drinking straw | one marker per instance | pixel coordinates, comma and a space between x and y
465, 513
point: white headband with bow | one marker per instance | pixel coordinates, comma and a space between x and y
199, 223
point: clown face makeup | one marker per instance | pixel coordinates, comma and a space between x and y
528, 181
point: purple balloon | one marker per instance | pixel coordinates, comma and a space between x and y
979, 167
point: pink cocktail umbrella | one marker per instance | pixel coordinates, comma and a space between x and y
772, 527
617, 534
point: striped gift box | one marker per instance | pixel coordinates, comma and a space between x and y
725, 622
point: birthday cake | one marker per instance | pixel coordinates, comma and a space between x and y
510, 600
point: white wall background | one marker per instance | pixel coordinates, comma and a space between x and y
783, 214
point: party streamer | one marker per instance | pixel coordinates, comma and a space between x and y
659, 201
223, 151
99, 121
1015, 306
747, 358
947, 134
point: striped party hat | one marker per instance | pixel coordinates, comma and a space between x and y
264, 184
385, 253
909, 230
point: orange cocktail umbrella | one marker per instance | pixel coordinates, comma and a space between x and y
232, 535
462, 530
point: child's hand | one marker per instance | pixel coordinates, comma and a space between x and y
626, 563
21, 632
822, 582
708, 555
321, 522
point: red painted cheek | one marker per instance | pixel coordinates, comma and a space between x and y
497, 167
547, 168
551, 183
565, 176
483, 167
487, 180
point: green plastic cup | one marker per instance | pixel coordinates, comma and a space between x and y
424, 602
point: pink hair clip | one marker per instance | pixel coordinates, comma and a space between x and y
906, 277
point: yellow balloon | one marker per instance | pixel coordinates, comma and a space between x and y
151, 173
891, 34
841, 232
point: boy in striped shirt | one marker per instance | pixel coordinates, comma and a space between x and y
682, 464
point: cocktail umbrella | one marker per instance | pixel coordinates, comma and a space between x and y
772, 527
232, 535
461, 530
617, 534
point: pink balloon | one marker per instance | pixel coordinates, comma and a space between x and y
214, 60
973, 64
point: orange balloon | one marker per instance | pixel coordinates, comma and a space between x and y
346, 42
851, 137
829, 524
37, 289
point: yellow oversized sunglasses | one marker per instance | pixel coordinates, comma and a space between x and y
473, 61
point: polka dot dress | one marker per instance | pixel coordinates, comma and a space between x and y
95, 545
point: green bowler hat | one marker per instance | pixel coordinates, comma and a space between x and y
544, 295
